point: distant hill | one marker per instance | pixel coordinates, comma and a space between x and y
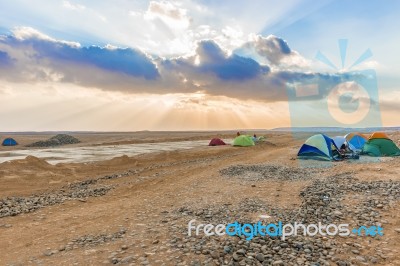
334, 129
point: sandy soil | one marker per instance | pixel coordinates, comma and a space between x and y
152, 185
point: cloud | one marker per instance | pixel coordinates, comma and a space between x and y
275, 50
390, 102
27, 33
211, 59
168, 13
34, 57
5, 59
71, 6
36, 51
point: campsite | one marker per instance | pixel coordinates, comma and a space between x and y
94, 213
199, 133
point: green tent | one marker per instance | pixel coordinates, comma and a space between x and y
243, 141
380, 147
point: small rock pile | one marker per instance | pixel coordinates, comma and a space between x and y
267, 172
58, 140
87, 241
13, 206
94, 240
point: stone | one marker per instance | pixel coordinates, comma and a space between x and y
48, 253
361, 259
338, 213
241, 252
128, 259
284, 245
215, 254
227, 249
260, 257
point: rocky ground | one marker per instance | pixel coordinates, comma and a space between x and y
135, 211
321, 201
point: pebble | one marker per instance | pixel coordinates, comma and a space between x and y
227, 249
214, 254
241, 252
338, 213
128, 259
361, 258
235, 256
260, 257
48, 253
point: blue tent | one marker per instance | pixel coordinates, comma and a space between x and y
319, 147
9, 142
357, 140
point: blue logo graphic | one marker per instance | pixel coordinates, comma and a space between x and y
343, 98
368, 231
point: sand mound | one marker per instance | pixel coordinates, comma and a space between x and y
58, 140
121, 160
29, 161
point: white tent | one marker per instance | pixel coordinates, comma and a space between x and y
340, 140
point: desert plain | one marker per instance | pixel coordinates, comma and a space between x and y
134, 210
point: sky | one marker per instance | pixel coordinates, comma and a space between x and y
127, 65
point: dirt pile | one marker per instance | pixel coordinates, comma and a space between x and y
58, 140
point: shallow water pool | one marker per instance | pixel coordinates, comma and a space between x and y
98, 153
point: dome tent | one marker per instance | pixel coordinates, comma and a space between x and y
9, 142
319, 147
379, 144
243, 141
378, 135
216, 142
356, 140
340, 140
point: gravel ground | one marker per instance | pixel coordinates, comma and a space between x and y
321, 201
266, 172
12, 206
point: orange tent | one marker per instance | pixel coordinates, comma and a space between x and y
352, 134
379, 135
